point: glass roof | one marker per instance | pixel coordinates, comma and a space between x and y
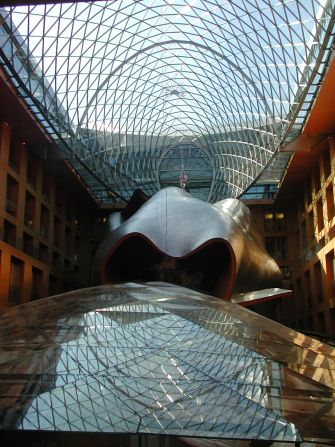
119, 85
164, 360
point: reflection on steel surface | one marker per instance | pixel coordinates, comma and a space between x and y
259, 296
161, 359
182, 240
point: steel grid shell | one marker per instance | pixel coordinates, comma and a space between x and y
118, 84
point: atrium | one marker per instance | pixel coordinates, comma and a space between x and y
105, 103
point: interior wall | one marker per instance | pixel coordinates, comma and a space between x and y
308, 265
47, 239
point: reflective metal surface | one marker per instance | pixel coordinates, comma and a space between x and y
161, 359
259, 296
182, 240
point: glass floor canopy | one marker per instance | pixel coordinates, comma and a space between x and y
123, 86
157, 359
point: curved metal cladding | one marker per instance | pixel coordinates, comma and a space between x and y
179, 239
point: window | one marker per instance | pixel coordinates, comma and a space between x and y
32, 171
57, 232
12, 195
14, 156
310, 326
326, 163
321, 322
28, 244
46, 188
68, 241
43, 253
15, 281
318, 282
285, 272
44, 222
9, 233
276, 247
274, 221
29, 213
330, 202
308, 192
330, 274
319, 213
303, 235
307, 290
59, 201
317, 179
37, 284
311, 229
56, 262
297, 295
53, 285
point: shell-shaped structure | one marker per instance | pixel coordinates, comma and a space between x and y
179, 239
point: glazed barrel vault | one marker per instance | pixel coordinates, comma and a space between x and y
176, 238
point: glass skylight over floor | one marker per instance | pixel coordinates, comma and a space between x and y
163, 360
118, 85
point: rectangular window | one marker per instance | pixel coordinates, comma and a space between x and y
276, 247
330, 274
32, 170
326, 163
308, 193
56, 262
43, 253
14, 156
9, 233
318, 282
12, 195
317, 179
28, 244
310, 326
68, 241
46, 188
311, 228
307, 290
321, 323
53, 285
57, 232
285, 272
330, 202
280, 221
303, 235
37, 284
297, 290
44, 222
274, 221
29, 213
268, 221
59, 201
15, 281
319, 213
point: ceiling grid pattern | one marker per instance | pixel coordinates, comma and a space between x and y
119, 85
